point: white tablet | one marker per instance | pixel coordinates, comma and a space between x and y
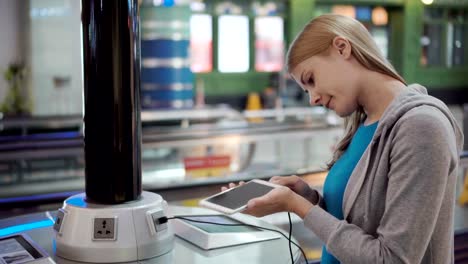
235, 199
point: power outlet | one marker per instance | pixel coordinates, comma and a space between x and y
104, 228
154, 218
59, 220
158, 226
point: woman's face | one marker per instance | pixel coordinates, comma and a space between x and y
330, 80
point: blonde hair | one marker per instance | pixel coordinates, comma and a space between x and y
317, 37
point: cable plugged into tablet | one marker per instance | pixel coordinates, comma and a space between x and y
254, 226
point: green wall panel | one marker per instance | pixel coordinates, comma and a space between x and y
300, 13
395, 45
412, 19
442, 77
233, 83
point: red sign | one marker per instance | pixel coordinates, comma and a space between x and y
193, 163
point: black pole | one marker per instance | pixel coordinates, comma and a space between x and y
111, 52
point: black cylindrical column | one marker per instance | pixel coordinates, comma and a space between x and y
111, 52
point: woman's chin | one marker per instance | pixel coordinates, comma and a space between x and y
341, 113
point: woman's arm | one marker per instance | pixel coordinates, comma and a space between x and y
423, 155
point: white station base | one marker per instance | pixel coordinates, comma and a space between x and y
98, 233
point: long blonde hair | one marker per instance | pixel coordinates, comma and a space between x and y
317, 36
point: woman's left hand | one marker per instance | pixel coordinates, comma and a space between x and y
277, 200
280, 199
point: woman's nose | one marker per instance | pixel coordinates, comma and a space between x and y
314, 99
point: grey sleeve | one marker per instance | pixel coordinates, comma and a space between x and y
423, 154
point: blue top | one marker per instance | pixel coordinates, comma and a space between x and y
338, 176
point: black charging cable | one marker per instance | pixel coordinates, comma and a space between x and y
165, 219
289, 238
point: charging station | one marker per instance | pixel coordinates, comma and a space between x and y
114, 221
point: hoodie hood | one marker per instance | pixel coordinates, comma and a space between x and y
415, 95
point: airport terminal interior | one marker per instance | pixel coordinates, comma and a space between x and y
117, 117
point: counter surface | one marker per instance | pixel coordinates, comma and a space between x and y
271, 251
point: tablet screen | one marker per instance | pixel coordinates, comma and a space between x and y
220, 219
241, 195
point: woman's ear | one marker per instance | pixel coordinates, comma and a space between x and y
342, 46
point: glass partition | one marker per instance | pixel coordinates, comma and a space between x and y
444, 37
432, 46
186, 149
54, 57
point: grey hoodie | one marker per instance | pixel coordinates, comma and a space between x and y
399, 201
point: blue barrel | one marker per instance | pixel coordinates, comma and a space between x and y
166, 78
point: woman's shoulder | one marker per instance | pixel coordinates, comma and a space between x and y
415, 105
425, 113
427, 121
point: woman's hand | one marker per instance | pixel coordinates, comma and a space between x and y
231, 185
280, 199
298, 185
295, 195
277, 200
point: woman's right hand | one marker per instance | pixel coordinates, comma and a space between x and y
298, 185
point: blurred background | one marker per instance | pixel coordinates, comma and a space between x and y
217, 104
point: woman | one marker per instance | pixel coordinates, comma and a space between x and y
389, 194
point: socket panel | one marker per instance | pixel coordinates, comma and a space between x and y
59, 220
105, 229
155, 226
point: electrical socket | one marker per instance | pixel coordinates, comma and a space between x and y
59, 220
104, 228
153, 217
